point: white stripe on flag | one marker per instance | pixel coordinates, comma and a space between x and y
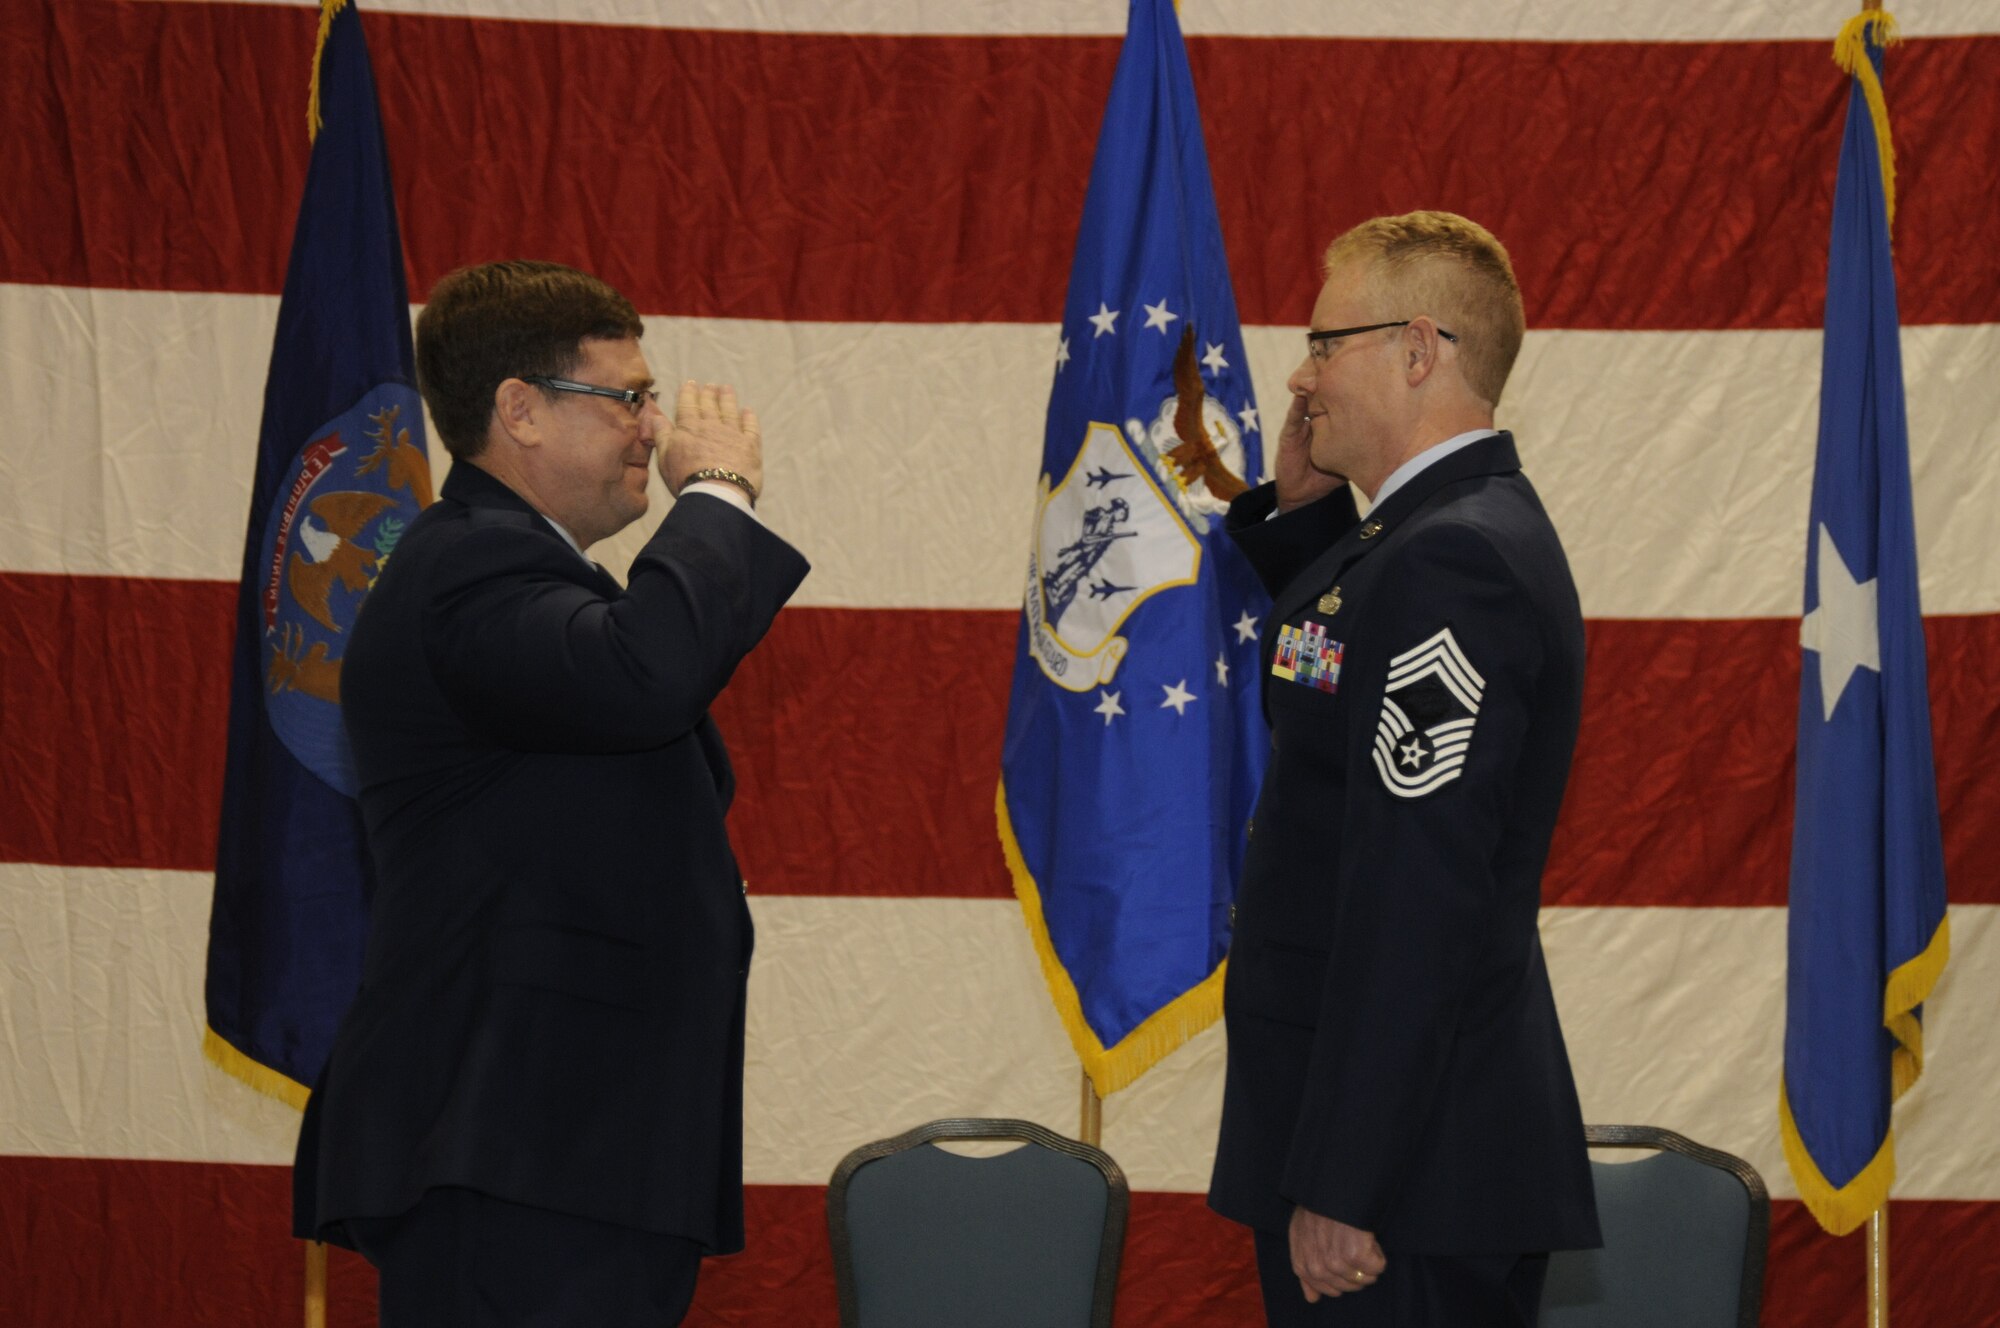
867, 1015
901, 456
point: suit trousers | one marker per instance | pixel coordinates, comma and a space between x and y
1414, 1291
463, 1259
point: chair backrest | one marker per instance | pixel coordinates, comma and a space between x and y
923, 1237
1685, 1233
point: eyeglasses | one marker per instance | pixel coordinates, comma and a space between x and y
634, 398
1319, 345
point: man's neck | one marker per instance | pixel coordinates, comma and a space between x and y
512, 477
1422, 437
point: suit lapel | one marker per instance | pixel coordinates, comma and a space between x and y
468, 484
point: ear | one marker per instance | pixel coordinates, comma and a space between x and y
1423, 350
518, 412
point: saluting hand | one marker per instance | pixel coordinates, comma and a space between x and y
1298, 482
710, 430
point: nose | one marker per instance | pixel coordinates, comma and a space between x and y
1302, 379
653, 423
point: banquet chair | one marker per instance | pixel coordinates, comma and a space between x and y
1685, 1233
924, 1237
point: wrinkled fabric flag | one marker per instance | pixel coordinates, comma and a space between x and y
341, 471
1868, 932
1135, 741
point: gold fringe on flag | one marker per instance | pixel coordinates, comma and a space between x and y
1115, 1067
254, 1073
1850, 52
1844, 1208
1908, 987
1839, 1208
327, 9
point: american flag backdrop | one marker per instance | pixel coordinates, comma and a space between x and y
863, 212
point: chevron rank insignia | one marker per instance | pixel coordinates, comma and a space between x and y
1428, 710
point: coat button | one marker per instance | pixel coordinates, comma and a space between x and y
1232, 917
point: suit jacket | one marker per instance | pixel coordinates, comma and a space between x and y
551, 1003
1395, 1061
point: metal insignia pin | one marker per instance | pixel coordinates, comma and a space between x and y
1329, 603
1371, 530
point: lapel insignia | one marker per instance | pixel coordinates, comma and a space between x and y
1371, 530
1329, 603
1306, 656
1428, 711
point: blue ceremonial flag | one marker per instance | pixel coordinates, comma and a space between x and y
341, 471
1135, 742
1868, 933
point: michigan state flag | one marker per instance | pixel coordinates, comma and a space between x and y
1868, 934
1134, 738
341, 471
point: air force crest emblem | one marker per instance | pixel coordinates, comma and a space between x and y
1106, 540
1428, 711
336, 517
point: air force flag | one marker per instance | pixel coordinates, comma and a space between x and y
1134, 739
1868, 934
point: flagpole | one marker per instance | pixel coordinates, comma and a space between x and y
1091, 1131
315, 1284
1878, 1267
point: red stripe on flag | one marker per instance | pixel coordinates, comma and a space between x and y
924, 179
196, 1245
114, 709
867, 746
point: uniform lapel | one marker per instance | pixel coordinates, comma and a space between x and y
1488, 456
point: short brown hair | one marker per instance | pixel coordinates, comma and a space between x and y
487, 324
1454, 270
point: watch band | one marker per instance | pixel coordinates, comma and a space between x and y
727, 477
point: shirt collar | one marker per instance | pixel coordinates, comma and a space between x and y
1430, 456
568, 538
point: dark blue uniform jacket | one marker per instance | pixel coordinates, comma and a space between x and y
1395, 1060
551, 1006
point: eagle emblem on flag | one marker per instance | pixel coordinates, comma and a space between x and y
333, 523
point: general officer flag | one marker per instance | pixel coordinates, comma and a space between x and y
1868, 933
1134, 739
341, 471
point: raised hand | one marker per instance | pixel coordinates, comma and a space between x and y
709, 430
1298, 482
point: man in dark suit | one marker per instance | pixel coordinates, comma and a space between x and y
1399, 1123
532, 1113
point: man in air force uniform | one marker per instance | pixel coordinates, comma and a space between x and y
1399, 1122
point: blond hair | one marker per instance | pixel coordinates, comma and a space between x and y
1455, 271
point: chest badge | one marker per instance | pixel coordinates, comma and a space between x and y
1329, 603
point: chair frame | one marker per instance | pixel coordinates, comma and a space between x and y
1111, 1242
1756, 1240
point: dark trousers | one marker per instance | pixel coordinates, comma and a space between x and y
1414, 1291
462, 1259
